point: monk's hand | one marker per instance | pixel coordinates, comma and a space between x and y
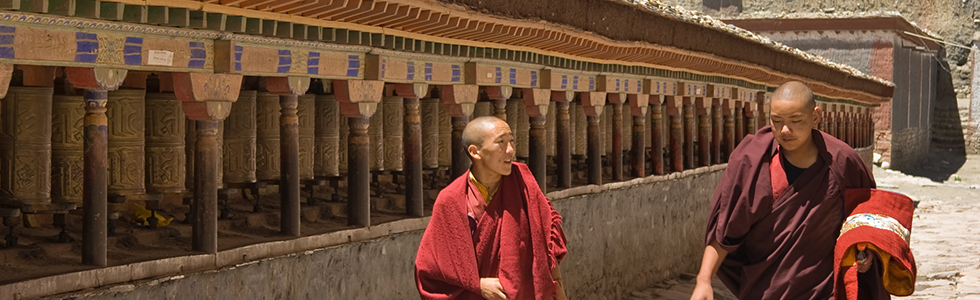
865, 261
491, 289
703, 291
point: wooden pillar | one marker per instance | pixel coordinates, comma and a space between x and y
638, 109
96, 82
839, 120
499, 95
412, 144
377, 142
831, 116
704, 133
289, 89
656, 135
430, 132
688, 109
536, 105
562, 135
616, 159
358, 101
716, 130
676, 135
165, 131
461, 160
592, 104
221, 91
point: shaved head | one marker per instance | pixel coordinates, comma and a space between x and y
478, 130
795, 91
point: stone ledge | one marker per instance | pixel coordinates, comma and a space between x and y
161, 270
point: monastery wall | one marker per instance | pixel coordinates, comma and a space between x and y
621, 236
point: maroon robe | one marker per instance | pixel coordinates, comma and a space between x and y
782, 248
517, 238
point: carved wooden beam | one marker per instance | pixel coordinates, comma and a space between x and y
536, 102
291, 85
459, 100
592, 102
95, 78
358, 97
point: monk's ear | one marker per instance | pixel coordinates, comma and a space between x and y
473, 151
817, 116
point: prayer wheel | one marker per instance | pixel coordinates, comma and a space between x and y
306, 111
239, 140
376, 145
342, 154
579, 125
549, 128
482, 109
445, 138
165, 127
519, 125
394, 124
430, 132
126, 142
67, 116
25, 146
627, 121
326, 136
266, 136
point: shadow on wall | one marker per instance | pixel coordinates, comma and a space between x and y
947, 151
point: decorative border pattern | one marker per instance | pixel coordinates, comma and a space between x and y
878, 221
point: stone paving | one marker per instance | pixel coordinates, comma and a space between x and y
945, 234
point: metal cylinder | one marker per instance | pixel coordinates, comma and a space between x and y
393, 131
67, 117
550, 145
127, 137
165, 128
239, 140
445, 138
517, 119
25, 146
578, 127
377, 143
266, 136
430, 132
482, 109
342, 143
327, 137
307, 133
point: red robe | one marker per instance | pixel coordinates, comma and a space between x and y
782, 248
518, 238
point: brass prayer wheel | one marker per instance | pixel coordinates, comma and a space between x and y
67, 116
165, 129
126, 142
239, 140
327, 136
266, 136
25, 146
306, 111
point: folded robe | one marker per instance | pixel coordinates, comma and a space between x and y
880, 222
518, 240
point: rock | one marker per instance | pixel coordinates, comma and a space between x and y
886, 165
876, 158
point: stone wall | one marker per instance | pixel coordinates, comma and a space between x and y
867, 155
621, 236
911, 146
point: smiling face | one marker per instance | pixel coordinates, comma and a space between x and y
792, 121
497, 150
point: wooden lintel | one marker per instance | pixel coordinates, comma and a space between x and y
198, 19
292, 85
284, 30
269, 27
95, 78
234, 24
91, 9
61, 7
199, 87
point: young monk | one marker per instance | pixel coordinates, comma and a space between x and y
776, 214
493, 234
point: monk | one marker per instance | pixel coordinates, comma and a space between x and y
493, 234
777, 212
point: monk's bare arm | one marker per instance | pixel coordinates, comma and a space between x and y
713, 256
560, 287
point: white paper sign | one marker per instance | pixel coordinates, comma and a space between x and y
160, 58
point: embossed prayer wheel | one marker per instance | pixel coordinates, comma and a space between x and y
579, 125
394, 124
343, 143
326, 136
306, 111
430, 132
627, 121
126, 142
25, 146
266, 136
519, 125
605, 132
482, 109
376, 145
445, 138
165, 128
238, 164
549, 128
67, 116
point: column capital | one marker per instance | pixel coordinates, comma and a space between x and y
95, 78
412, 90
592, 102
358, 98
499, 92
6, 72
206, 87
290, 85
638, 104
536, 101
563, 96
617, 98
459, 100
